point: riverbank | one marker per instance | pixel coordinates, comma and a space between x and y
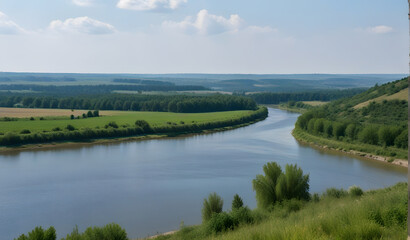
91, 142
346, 148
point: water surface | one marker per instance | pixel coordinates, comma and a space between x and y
151, 186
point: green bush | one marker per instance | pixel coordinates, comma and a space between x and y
212, 205
336, 193
40, 234
292, 184
220, 222
242, 215
355, 191
111, 124
108, 232
70, 127
278, 186
144, 125
25, 131
264, 185
237, 202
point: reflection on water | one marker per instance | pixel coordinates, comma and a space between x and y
151, 186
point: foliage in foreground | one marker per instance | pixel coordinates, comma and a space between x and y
108, 232
377, 214
276, 186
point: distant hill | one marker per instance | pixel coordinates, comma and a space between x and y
220, 82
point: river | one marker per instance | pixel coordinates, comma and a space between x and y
151, 186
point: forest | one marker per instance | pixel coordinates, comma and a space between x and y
72, 90
318, 95
132, 102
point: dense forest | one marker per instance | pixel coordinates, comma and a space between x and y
72, 90
374, 117
319, 95
133, 102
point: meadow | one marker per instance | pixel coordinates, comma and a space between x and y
61, 118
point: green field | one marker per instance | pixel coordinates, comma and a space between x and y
122, 118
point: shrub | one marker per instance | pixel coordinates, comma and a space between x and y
39, 234
292, 184
369, 135
264, 186
212, 205
315, 197
111, 124
31, 119
70, 127
237, 202
242, 215
144, 125
336, 193
355, 191
108, 232
72, 117
220, 222
10, 138
25, 131
56, 129
84, 115
42, 118
90, 114
96, 113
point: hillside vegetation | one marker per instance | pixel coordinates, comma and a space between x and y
374, 121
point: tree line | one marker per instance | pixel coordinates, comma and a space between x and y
137, 102
320, 95
97, 89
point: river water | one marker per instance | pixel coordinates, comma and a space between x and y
151, 186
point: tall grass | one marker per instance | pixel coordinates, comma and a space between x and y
380, 214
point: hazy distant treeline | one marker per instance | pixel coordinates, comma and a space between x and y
141, 81
124, 102
320, 95
97, 89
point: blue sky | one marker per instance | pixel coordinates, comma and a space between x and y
204, 36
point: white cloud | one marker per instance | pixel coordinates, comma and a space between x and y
82, 25
206, 24
9, 27
382, 29
150, 5
83, 3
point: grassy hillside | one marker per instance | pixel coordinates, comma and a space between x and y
374, 121
380, 214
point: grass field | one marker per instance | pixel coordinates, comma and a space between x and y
314, 103
120, 117
43, 112
402, 95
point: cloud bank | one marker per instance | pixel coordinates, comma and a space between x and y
83, 3
84, 25
381, 29
206, 24
9, 27
150, 5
